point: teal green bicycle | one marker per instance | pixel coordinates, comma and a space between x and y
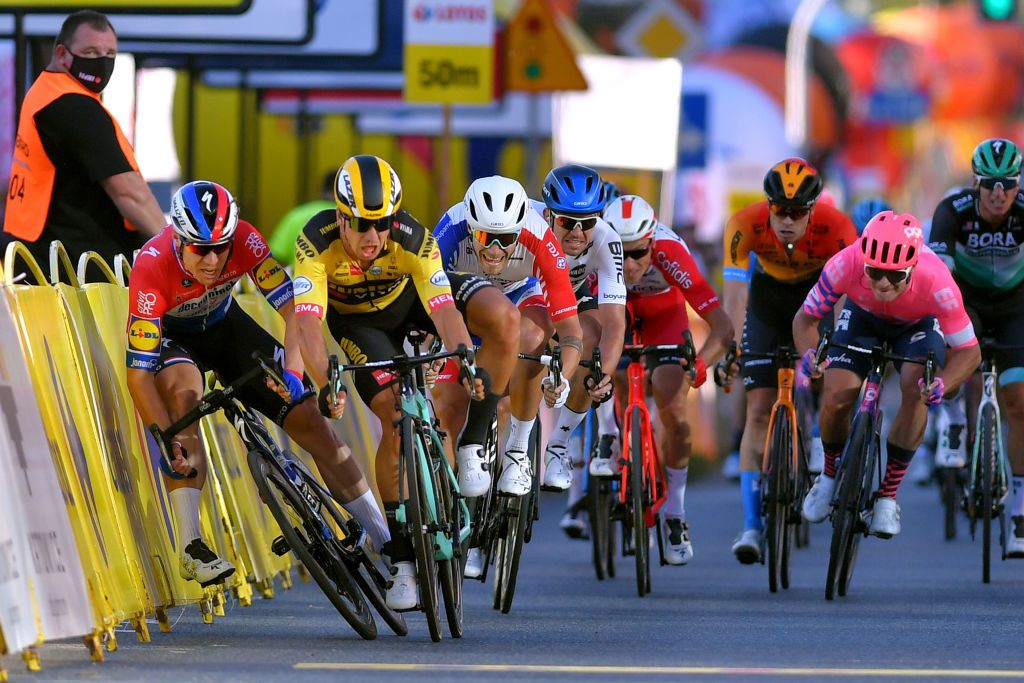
431, 509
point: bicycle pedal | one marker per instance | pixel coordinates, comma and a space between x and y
279, 546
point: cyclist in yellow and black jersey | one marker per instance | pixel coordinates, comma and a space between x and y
373, 272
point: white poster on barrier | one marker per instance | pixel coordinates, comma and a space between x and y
55, 568
17, 614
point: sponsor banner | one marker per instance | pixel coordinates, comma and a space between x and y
56, 570
449, 51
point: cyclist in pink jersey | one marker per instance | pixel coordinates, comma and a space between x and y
898, 291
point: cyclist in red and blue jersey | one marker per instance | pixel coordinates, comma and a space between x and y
898, 291
183, 321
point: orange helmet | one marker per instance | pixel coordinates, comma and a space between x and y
793, 182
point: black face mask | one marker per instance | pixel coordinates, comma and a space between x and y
92, 72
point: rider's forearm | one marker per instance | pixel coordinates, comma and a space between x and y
312, 346
613, 332
960, 365
719, 338
142, 387
292, 340
805, 331
734, 300
570, 341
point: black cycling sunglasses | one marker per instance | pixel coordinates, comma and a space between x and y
794, 212
637, 254
1007, 183
366, 225
570, 223
202, 250
893, 276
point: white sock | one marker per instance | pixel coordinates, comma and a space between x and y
185, 504
565, 424
1017, 507
368, 514
675, 493
576, 490
606, 419
519, 434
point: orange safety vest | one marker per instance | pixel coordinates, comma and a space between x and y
32, 171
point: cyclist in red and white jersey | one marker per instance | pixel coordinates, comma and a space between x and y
183, 321
897, 291
661, 278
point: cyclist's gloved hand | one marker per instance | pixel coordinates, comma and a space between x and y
932, 394
555, 397
809, 366
296, 387
700, 372
599, 391
332, 411
432, 372
178, 466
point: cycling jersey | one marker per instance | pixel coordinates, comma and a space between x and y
749, 232
986, 258
536, 254
932, 292
164, 298
325, 273
672, 267
601, 260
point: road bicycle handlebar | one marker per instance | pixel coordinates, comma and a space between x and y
880, 354
404, 362
211, 402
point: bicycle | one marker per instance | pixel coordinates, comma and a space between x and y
784, 474
988, 477
308, 516
602, 492
860, 466
642, 484
431, 509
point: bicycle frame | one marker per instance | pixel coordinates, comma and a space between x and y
989, 377
784, 401
637, 376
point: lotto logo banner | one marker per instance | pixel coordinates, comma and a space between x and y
143, 334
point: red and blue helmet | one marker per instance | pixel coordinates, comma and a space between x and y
203, 212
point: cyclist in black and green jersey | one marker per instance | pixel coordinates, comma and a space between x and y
979, 233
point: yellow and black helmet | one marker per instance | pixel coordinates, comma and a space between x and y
367, 187
793, 182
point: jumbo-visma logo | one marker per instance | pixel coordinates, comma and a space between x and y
143, 334
269, 275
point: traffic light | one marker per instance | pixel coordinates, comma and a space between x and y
997, 10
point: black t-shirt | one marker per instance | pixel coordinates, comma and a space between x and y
79, 137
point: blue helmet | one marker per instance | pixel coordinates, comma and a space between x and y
866, 209
574, 189
611, 192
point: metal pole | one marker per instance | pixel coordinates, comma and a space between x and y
20, 64
444, 178
796, 72
532, 146
190, 122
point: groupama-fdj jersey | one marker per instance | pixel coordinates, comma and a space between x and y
164, 299
986, 259
749, 232
536, 264
326, 274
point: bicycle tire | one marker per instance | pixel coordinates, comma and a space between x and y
641, 542
596, 510
449, 571
370, 580
610, 548
775, 497
419, 522
322, 561
534, 507
871, 457
989, 448
519, 526
844, 514
802, 533
950, 486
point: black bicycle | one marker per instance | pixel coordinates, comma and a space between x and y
860, 467
311, 521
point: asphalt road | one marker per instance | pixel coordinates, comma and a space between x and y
917, 610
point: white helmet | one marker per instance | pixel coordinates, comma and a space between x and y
631, 217
496, 204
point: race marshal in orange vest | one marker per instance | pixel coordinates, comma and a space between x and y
74, 177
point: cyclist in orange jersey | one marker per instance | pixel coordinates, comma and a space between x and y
793, 235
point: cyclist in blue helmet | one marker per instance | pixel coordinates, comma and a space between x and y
866, 209
611, 192
574, 197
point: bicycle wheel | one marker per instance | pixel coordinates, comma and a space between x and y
301, 530
989, 447
421, 524
864, 498
450, 521
950, 488
370, 579
776, 499
521, 513
641, 542
845, 511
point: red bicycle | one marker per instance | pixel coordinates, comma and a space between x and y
642, 488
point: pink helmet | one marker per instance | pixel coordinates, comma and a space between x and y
892, 241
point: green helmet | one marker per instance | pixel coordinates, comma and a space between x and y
996, 158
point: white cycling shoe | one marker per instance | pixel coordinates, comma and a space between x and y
557, 469
606, 462
678, 548
885, 518
747, 546
403, 594
516, 474
816, 461
474, 568
474, 479
200, 564
818, 500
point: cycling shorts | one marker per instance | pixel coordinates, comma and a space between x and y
857, 327
659, 319
771, 307
226, 350
380, 335
586, 298
1002, 320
